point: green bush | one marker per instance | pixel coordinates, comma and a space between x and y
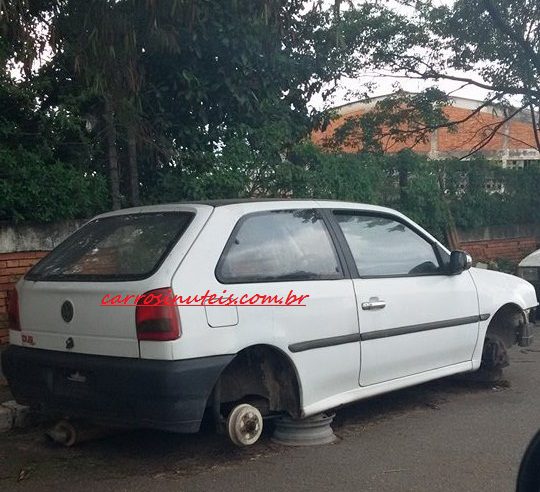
32, 190
433, 193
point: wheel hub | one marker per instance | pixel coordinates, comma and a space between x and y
244, 425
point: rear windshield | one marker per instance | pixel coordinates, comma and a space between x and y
122, 247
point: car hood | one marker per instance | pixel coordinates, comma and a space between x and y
496, 289
533, 260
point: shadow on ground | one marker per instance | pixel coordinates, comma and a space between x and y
27, 455
430, 395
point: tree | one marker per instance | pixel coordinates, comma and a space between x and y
164, 83
399, 118
490, 44
43, 171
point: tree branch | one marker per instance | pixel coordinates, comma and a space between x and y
499, 23
535, 128
488, 139
430, 73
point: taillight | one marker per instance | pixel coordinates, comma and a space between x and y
14, 321
154, 319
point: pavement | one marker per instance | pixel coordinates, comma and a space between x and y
447, 435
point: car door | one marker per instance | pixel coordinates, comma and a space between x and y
273, 253
413, 316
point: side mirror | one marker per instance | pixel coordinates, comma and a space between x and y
459, 261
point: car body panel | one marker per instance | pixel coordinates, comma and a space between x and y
495, 290
330, 311
414, 302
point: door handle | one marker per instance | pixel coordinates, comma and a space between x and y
373, 303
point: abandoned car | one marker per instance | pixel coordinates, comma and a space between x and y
266, 308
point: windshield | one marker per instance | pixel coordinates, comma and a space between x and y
121, 247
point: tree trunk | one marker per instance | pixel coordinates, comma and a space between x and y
132, 165
536, 128
112, 155
403, 182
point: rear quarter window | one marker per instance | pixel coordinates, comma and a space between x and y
121, 247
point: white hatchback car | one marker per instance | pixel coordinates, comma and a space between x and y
151, 316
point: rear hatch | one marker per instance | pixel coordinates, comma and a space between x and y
61, 298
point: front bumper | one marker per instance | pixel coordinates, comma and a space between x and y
167, 395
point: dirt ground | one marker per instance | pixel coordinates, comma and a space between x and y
444, 435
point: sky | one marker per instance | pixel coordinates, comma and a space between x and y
385, 85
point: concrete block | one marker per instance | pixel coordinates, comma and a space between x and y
6, 419
21, 413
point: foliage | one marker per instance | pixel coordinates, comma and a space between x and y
34, 190
42, 156
398, 118
194, 99
159, 82
493, 45
481, 193
436, 194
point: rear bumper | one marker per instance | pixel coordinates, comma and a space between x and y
167, 395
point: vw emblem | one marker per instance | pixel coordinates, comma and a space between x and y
67, 311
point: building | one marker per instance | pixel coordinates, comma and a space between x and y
511, 143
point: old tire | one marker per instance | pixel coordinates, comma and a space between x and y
485, 375
494, 360
244, 425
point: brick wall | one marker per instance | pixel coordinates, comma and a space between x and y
12, 267
21, 246
512, 249
474, 131
354, 143
517, 134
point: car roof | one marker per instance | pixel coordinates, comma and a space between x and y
233, 201
532, 260
246, 204
242, 206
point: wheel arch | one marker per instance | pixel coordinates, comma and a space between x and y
505, 323
263, 370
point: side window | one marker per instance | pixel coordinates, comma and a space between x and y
382, 246
279, 245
